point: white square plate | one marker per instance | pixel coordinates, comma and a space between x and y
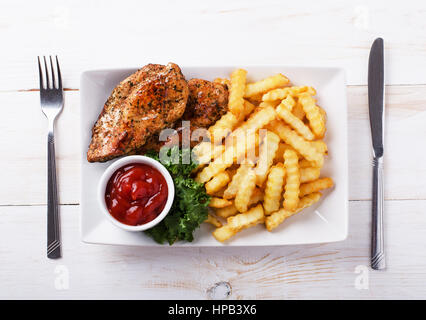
325, 222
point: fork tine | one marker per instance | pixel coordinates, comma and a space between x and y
59, 74
47, 73
40, 73
53, 72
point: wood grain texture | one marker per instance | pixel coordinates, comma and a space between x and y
328, 33
24, 141
26, 152
322, 271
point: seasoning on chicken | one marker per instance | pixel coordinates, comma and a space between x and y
148, 101
207, 102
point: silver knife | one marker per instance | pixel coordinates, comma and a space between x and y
376, 98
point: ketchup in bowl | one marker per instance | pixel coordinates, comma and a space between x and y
136, 194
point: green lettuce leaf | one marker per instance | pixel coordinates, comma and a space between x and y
189, 208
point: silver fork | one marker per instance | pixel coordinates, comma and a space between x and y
52, 102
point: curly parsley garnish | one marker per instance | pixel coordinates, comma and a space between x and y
189, 208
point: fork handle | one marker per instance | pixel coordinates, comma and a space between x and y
377, 246
53, 231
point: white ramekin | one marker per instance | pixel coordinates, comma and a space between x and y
125, 161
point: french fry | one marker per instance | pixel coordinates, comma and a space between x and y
303, 163
218, 165
266, 156
256, 99
282, 93
211, 170
262, 86
288, 103
250, 176
290, 137
247, 219
245, 191
224, 233
315, 186
232, 171
231, 210
213, 221
217, 183
239, 222
323, 114
205, 152
256, 196
231, 152
236, 94
309, 174
217, 151
229, 121
252, 146
313, 114
248, 109
219, 193
274, 189
291, 194
243, 146
320, 146
279, 155
226, 212
276, 218
223, 81
257, 120
216, 202
298, 111
272, 104
223, 127
231, 190
294, 122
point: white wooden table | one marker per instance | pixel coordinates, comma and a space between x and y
106, 34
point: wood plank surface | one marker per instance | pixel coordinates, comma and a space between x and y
110, 34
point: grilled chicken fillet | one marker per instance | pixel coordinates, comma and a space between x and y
207, 102
148, 101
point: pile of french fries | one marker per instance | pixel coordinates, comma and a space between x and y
264, 158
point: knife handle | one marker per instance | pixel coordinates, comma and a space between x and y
377, 247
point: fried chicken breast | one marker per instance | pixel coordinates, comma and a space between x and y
207, 102
143, 104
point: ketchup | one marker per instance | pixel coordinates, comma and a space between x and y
136, 194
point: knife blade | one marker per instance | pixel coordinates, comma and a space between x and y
376, 102
376, 93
